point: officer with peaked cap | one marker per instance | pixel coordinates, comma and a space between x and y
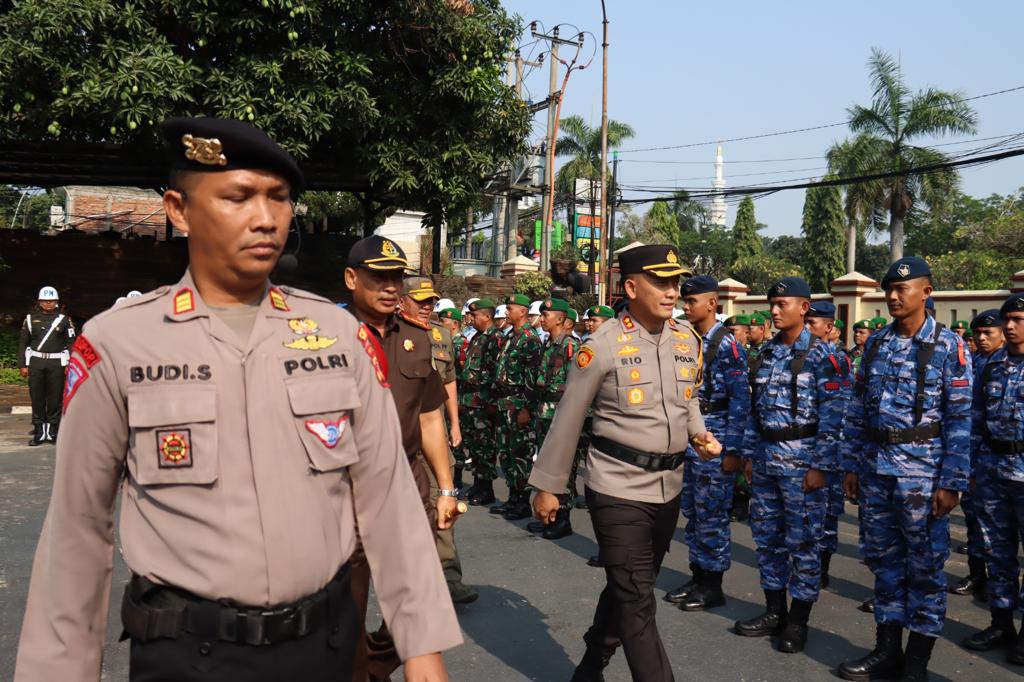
249, 429
43, 352
641, 373
905, 451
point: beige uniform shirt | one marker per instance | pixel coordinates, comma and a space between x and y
236, 464
443, 351
643, 388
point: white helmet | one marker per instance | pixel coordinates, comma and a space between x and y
501, 312
134, 293
443, 304
535, 308
48, 294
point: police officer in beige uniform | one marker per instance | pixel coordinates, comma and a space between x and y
640, 373
249, 429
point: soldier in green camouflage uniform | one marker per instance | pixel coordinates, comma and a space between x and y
451, 320
519, 356
476, 401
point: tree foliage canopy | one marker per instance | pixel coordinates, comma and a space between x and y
823, 227
407, 93
748, 243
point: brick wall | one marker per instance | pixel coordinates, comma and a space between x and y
123, 209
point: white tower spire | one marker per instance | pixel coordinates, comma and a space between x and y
718, 210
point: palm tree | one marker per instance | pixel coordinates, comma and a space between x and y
883, 144
583, 143
863, 212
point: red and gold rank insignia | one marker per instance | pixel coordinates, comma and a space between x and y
635, 396
277, 300
308, 329
584, 356
377, 358
408, 345
174, 449
184, 302
628, 323
628, 350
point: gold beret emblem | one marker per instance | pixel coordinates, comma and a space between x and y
208, 152
671, 257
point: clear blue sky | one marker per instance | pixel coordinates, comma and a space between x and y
684, 72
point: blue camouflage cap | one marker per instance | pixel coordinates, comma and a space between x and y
906, 268
790, 287
824, 309
1014, 304
701, 284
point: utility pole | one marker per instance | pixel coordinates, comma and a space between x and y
605, 278
606, 294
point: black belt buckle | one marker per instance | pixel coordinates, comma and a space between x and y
281, 624
644, 460
891, 435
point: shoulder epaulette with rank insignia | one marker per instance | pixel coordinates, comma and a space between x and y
277, 300
184, 301
627, 323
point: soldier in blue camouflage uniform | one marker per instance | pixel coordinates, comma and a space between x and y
708, 485
906, 452
520, 354
820, 320
998, 458
791, 437
987, 327
476, 400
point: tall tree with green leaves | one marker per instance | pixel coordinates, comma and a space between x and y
884, 143
823, 225
582, 142
744, 231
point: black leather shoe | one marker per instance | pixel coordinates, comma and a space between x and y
518, 511
581, 502
706, 596
595, 562
771, 622
867, 606
793, 638
678, 595
483, 495
992, 637
561, 528
884, 661
504, 506
535, 527
964, 587
37, 436
1016, 655
960, 549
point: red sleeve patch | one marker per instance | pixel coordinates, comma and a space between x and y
88, 353
377, 358
76, 376
735, 350
960, 353
832, 386
961, 383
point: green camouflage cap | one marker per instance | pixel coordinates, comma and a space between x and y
601, 311
481, 304
840, 324
862, 324
879, 322
961, 324
738, 320
518, 299
757, 319
451, 314
559, 305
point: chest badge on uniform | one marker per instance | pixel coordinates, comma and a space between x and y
408, 345
683, 347
436, 334
634, 374
308, 329
623, 338
174, 448
681, 335
635, 396
328, 432
628, 350
688, 393
584, 357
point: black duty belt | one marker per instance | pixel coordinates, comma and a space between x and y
902, 436
712, 406
789, 433
644, 460
150, 611
1005, 447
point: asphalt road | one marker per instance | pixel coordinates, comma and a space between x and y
537, 598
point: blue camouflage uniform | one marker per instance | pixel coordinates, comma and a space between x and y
707, 490
975, 545
786, 521
999, 474
903, 544
835, 498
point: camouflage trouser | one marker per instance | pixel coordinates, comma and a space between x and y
706, 503
1000, 506
517, 450
479, 450
582, 445
835, 502
906, 548
975, 544
786, 525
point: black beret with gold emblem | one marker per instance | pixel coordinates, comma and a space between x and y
220, 144
377, 253
660, 260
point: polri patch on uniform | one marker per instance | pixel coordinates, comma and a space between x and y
76, 376
184, 302
88, 353
376, 353
328, 432
174, 448
584, 356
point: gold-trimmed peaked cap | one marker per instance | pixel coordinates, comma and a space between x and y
210, 145
419, 288
660, 260
377, 253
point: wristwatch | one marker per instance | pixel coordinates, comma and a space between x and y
447, 493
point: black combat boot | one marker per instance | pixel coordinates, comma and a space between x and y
1016, 655
999, 635
535, 527
37, 436
595, 561
521, 509
51, 433
826, 561
740, 506
916, 657
867, 606
678, 595
591, 667
483, 495
707, 595
771, 622
457, 479
504, 506
794, 635
884, 661
976, 579
562, 527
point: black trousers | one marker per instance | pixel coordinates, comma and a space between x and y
322, 656
46, 388
632, 539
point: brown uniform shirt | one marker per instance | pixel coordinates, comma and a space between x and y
643, 388
443, 351
236, 464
